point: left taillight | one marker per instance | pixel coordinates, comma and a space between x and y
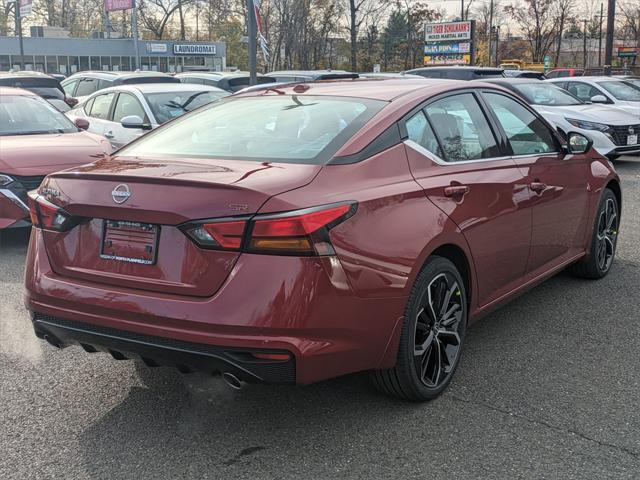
48, 216
302, 232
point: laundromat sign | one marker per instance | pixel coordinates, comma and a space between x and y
185, 49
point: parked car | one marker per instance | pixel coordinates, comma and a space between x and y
124, 113
318, 231
609, 127
298, 76
524, 74
228, 81
41, 84
565, 72
458, 72
389, 75
35, 140
81, 85
608, 90
630, 79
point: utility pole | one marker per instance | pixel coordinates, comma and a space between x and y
134, 34
584, 44
608, 49
498, 46
490, 29
253, 42
600, 35
462, 10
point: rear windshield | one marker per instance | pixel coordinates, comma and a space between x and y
168, 105
31, 115
283, 128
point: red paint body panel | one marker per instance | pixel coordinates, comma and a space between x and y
336, 314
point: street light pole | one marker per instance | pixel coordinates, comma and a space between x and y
584, 44
16, 9
134, 33
600, 35
490, 29
253, 42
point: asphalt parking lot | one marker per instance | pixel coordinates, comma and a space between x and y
548, 387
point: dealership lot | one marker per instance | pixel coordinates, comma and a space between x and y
548, 387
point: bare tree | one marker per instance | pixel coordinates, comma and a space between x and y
538, 22
563, 9
362, 12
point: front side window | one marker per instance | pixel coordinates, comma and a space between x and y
583, 91
101, 106
69, 87
622, 90
31, 115
526, 132
278, 128
127, 105
462, 128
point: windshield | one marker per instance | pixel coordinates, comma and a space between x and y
622, 91
283, 128
31, 115
168, 105
546, 94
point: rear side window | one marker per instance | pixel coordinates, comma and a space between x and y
462, 128
101, 106
526, 132
86, 87
282, 128
419, 131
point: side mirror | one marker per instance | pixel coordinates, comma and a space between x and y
72, 102
599, 99
578, 143
134, 121
81, 123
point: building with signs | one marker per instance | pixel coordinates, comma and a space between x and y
449, 43
70, 55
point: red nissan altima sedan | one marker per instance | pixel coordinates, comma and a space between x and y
35, 140
300, 233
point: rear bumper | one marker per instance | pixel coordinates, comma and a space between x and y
155, 351
303, 306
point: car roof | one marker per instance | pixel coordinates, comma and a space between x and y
510, 80
160, 88
16, 91
590, 78
307, 73
458, 67
386, 89
108, 75
24, 73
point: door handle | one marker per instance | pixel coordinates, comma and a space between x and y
456, 190
109, 134
538, 187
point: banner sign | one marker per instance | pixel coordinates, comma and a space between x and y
456, 59
26, 7
115, 5
438, 32
156, 48
439, 48
184, 49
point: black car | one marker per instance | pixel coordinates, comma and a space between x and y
229, 81
458, 73
83, 84
42, 85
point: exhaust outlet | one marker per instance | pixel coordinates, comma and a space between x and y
234, 382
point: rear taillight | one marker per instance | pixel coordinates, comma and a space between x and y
302, 232
48, 216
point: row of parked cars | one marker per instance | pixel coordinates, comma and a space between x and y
104, 111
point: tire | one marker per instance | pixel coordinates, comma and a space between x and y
604, 239
430, 345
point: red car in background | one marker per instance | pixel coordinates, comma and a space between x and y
36, 140
304, 232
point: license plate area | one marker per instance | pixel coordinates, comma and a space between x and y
632, 139
130, 242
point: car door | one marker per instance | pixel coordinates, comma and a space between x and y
455, 156
99, 113
126, 105
557, 183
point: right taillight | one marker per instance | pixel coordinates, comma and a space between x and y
301, 232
